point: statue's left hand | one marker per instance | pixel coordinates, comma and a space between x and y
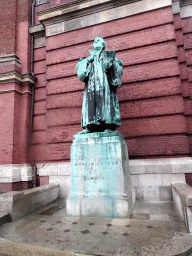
90, 58
116, 82
107, 65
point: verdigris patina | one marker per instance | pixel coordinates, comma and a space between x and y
100, 176
102, 73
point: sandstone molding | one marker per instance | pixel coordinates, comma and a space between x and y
79, 14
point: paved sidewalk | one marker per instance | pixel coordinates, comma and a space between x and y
153, 229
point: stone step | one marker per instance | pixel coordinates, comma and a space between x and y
4, 217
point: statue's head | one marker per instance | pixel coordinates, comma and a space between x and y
99, 43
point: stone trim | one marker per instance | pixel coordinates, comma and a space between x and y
78, 15
36, 29
161, 166
15, 76
151, 178
184, 8
176, 7
140, 166
39, 42
186, 11
54, 169
14, 90
185, 2
11, 59
40, 2
15, 173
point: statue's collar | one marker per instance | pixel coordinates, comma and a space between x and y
92, 52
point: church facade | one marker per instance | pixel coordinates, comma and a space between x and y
41, 95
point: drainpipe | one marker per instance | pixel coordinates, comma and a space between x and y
34, 174
31, 66
33, 165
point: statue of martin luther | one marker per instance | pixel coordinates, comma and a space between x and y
102, 73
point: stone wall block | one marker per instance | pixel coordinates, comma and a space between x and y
64, 184
167, 179
163, 168
189, 214
165, 193
151, 193
150, 180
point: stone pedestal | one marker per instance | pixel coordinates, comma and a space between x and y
100, 182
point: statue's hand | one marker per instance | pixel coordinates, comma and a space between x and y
107, 65
116, 82
90, 58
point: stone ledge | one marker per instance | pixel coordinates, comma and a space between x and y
40, 2
176, 7
21, 203
12, 196
140, 166
15, 172
78, 15
182, 197
54, 169
161, 166
4, 217
36, 29
15, 76
41, 189
186, 11
81, 5
11, 59
184, 191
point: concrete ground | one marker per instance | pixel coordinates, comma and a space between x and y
153, 229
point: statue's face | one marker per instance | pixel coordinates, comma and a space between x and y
99, 43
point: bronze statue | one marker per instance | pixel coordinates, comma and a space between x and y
102, 73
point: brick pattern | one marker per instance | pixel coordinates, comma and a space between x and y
16, 186
39, 123
15, 107
42, 180
187, 46
152, 98
188, 178
8, 27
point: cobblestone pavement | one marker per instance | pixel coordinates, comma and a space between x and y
153, 229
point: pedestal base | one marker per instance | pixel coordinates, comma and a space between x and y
104, 206
100, 184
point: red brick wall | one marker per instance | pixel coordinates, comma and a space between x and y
187, 48
42, 180
188, 178
38, 143
151, 98
15, 107
14, 126
16, 186
8, 16
6, 127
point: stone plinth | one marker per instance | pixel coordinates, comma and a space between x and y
100, 182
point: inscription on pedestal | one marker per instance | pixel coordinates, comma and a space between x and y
97, 163
96, 176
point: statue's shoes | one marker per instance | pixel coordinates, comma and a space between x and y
108, 130
84, 131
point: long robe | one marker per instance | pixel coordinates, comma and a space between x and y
102, 78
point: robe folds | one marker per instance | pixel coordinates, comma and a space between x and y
102, 76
